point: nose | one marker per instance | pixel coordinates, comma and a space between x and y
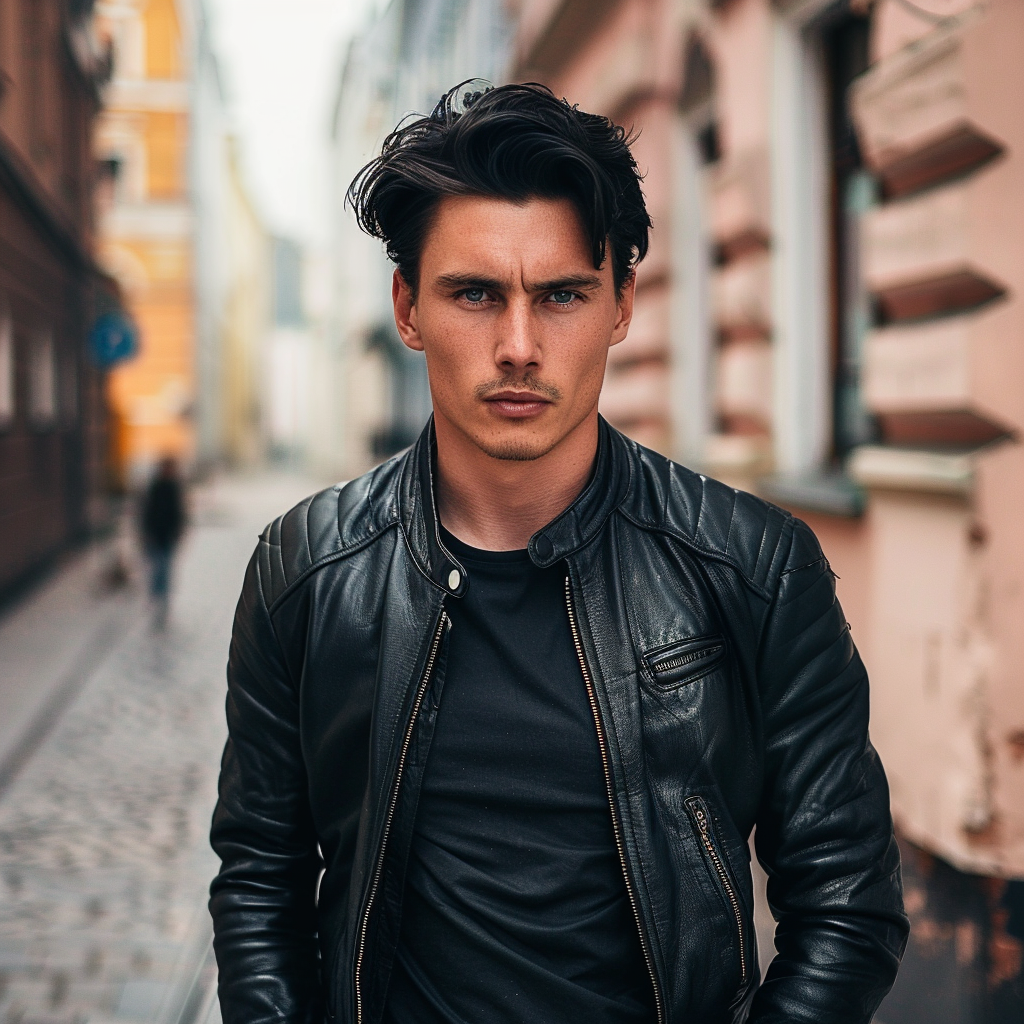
518, 350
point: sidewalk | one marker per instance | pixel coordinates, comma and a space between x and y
112, 734
49, 645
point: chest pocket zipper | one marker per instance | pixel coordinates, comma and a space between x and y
702, 823
686, 661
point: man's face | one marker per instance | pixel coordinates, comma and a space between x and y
514, 320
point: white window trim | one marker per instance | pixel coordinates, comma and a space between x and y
691, 334
802, 399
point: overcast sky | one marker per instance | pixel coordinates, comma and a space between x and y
280, 62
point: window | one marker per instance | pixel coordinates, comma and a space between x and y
819, 311
42, 380
7, 374
820, 188
162, 33
852, 192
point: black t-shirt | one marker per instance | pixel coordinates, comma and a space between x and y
515, 904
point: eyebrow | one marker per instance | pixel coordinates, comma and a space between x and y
581, 281
468, 281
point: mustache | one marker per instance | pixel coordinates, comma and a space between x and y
525, 382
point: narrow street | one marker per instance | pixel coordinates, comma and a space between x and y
107, 792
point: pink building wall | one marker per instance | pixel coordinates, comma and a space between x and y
921, 521
949, 568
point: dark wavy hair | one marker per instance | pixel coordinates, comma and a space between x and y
514, 142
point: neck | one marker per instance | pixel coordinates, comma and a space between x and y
497, 504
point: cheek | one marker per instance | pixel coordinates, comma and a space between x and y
591, 379
584, 358
452, 358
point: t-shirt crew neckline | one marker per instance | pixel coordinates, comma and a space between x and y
481, 556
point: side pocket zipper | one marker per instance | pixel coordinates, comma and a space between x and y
701, 818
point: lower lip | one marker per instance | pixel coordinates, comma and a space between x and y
517, 410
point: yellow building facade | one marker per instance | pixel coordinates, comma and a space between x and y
146, 226
246, 321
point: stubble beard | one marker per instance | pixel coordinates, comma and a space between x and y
515, 449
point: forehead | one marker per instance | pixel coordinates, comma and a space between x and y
479, 234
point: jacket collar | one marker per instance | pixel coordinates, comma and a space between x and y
566, 533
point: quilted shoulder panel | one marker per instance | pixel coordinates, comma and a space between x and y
720, 521
324, 526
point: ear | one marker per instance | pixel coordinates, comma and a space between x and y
405, 312
624, 309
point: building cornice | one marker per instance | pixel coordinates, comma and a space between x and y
147, 94
155, 222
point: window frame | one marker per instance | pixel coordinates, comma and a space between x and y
8, 371
801, 243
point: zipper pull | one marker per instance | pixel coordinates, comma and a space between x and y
700, 816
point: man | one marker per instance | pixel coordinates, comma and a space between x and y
163, 522
504, 711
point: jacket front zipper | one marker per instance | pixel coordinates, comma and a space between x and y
407, 740
616, 825
698, 811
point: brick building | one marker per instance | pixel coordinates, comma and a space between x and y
52, 418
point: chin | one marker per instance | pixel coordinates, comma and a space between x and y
513, 448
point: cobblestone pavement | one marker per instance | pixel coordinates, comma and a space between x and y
104, 860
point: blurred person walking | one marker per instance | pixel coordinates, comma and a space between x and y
163, 522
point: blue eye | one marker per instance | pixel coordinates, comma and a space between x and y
562, 298
474, 295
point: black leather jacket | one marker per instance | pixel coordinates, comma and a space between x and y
727, 694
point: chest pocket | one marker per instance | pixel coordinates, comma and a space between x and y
685, 661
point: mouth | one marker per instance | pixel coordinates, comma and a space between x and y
517, 405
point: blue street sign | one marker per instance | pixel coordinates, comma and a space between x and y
113, 339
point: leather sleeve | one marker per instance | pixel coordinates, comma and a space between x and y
824, 831
263, 899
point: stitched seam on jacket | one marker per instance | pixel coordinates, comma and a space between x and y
732, 520
773, 598
334, 556
806, 565
273, 630
715, 556
760, 548
305, 530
